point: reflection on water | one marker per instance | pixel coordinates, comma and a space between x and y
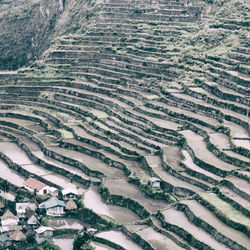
10, 175
11, 150
119, 238
64, 243
93, 201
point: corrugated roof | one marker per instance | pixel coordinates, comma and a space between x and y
52, 203
69, 191
42, 229
34, 184
4, 238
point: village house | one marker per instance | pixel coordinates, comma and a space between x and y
53, 191
69, 193
9, 218
53, 207
5, 240
32, 218
21, 208
155, 182
44, 232
71, 205
17, 235
9, 222
32, 184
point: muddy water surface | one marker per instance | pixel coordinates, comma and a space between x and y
119, 238
93, 200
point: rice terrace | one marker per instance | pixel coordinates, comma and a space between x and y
124, 124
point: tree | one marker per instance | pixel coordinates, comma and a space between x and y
4, 185
82, 242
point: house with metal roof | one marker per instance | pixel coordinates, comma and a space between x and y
32, 184
5, 240
21, 208
69, 193
9, 218
43, 232
53, 207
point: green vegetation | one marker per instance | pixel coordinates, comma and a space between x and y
226, 208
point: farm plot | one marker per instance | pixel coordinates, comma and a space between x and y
116, 186
90, 161
93, 200
10, 175
157, 240
226, 209
179, 219
190, 164
199, 147
211, 219
118, 238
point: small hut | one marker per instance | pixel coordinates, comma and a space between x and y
71, 205
17, 235
154, 182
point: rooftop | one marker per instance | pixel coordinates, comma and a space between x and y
69, 191
42, 229
34, 184
52, 203
8, 215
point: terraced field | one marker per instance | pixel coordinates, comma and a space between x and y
151, 88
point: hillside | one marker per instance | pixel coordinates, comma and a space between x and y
119, 92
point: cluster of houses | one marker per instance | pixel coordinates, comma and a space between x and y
26, 216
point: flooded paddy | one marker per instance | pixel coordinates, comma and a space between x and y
190, 164
199, 147
220, 140
16, 154
203, 213
172, 156
59, 164
116, 186
164, 175
119, 238
64, 243
240, 184
232, 195
91, 162
242, 143
157, 240
236, 130
22, 122
166, 124
178, 218
10, 175
93, 200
